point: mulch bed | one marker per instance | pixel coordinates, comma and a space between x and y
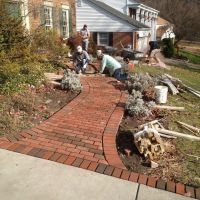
31, 108
170, 164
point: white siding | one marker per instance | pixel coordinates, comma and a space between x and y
119, 5
99, 20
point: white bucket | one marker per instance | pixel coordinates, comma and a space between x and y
161, 94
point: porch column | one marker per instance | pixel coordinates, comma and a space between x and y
149, 19
155, 24
146, 15
142, 16
153, 28
138, 14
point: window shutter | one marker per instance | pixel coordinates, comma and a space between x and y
61, 21
42, 18
13, 9
70, 23
110, 39
95, 37
55, 18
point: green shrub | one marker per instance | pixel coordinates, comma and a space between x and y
14, 38
168, 47
25, 57
48, 43
14, 77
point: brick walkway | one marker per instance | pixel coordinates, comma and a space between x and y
84, 129
83, 134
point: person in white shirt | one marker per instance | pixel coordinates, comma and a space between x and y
85, 35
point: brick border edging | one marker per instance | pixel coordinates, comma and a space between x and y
110, 132
118, 169
104, 169
63, 111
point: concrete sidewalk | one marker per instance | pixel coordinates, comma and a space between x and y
24, 177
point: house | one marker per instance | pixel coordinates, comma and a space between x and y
58, 15
164, 29
118, 22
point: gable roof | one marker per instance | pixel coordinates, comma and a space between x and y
118, 14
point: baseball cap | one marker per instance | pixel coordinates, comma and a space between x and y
99, 52
79, 49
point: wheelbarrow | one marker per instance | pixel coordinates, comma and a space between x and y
131, 54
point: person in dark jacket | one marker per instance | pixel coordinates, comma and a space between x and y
80, 60
154, 49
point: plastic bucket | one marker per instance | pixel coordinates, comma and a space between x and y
161, 94
131, 66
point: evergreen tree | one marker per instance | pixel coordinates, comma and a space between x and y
13, 35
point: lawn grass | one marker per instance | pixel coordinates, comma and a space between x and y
192, 57
191, 115
189, 76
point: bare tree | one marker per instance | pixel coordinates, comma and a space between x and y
184, 14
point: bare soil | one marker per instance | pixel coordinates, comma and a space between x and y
30, 108
170, 164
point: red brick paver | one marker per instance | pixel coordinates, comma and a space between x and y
83, 134
85, 128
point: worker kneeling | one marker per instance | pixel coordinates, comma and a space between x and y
112, 65
80, 60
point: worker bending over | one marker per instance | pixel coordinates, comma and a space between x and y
112, 65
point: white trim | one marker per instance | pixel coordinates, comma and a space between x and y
65, 7
49, 10
24, 8
48, 3
144, 7
67, 23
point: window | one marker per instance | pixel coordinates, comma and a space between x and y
103, 39
14, 9
48, 17
65, 23
132, 13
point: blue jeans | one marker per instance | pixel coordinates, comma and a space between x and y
79, 66
119, 75
85, 44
